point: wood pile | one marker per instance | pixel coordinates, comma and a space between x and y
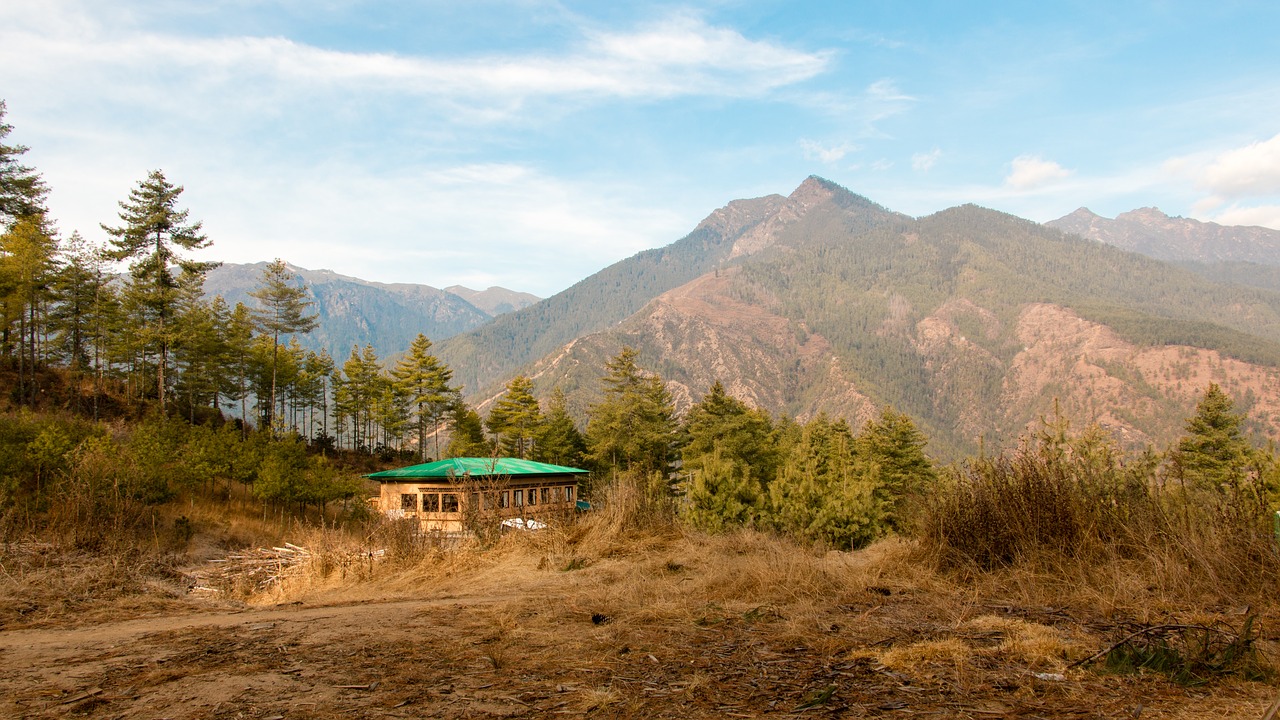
258, 569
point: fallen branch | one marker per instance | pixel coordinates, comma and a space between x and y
1154, 629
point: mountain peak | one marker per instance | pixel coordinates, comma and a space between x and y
1082, 213
1145, 215
814, 190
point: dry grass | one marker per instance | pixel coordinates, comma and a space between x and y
626, 614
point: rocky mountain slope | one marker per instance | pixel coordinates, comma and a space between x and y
972, 321
388, 316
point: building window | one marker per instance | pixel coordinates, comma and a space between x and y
519, 495
533, 496
473, 502
449, 502
430, 502
568, 494
409, 502
505, 499
546, 495
557, 494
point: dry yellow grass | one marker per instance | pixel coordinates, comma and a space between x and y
622, 619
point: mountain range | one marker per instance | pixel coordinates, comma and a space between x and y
975, 322
1177, 239
353, 312
1240, 255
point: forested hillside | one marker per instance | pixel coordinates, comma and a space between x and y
487, 356
950, 318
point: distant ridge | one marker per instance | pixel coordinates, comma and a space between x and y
494, 300
353, 312
1152, 233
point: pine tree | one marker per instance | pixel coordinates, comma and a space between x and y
892, 449
283, 310
820, 495
722, 423
516, 418
424, 381
313, 388
559, 441
634, 426
199, 345
152, 233
467, 437
22, 191
355, 396
722, 495
1214, 454
27, 253
74, 289
238, 336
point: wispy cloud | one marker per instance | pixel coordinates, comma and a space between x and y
826, 154
1263, 215
924, 162
1241, 176
878, 101
1249, 171
679, 56
1029, 172
519, 227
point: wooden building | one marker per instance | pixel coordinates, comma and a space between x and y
445, 495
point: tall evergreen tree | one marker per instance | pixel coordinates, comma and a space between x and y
283, 310
634, 426
559, 441
27, 254
199, 345
516, 418
22, 191
355, 396
466, 438
424, 381
722, 423
238, 336
892, 449
152, 233
75, 286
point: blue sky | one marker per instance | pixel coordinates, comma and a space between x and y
528, 144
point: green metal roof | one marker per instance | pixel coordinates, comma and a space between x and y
476, 467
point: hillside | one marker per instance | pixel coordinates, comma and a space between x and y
355, 312
970, 320
489, 355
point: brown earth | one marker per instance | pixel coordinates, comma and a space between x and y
675, 625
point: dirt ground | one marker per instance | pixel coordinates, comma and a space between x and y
683, 630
